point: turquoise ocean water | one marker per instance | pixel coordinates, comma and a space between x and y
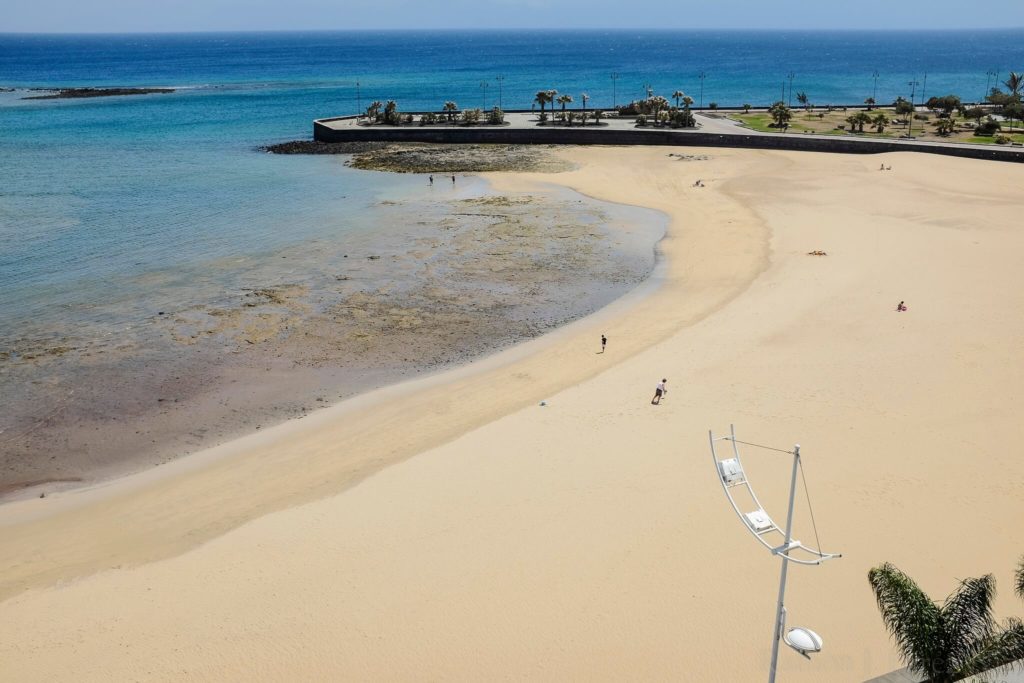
107, 204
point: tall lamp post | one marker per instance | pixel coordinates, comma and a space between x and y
702, 76
913, 90
615, 77
874, 91
790, 77
483, 94
499, 78
732, 478
359, 101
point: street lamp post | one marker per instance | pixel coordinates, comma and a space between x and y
483, 95
874, 91
924, 88
993, 77
702, 76
359, 101
499, 78
615, 77
790, 77
913, 90
732, 477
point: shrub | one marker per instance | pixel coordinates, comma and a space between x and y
647, 106
470, 116
987, 127
683, 118
428, 119
746, 108
1002, 140
713, 105
641, 120
495, 117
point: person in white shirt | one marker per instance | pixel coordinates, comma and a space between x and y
659, 391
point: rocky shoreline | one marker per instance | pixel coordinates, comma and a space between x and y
432, 158
442, 282
80, 93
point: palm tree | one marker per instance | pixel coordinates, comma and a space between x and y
551, 100
687, 101
781, 114
746, 108
1014, 82
584, 97
880, 122
657, 103
1019, 579
678, 95
542, 99
801, 97
449, 109
391, 112
374, 109
870, 102
564, 100
950, 641
944, 127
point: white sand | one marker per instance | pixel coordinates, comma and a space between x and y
589, 538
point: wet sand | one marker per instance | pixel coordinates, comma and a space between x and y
468, 277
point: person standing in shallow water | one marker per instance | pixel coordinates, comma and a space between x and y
659, 391
604, 342
431, 180
453, 179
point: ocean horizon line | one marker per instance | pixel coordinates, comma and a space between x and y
506, 30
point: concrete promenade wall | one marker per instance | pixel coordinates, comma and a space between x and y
641, 136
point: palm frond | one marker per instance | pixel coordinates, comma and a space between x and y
913, 619
1019, 578
1000, 652
967, 617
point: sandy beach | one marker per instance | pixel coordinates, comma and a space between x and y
452, 528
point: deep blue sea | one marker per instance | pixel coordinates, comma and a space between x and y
101, 199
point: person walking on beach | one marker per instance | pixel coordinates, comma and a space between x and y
659, 391
604, 342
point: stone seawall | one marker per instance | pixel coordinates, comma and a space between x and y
640, 136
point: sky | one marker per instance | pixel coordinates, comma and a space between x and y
129, 16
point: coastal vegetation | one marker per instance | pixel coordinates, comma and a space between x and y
658, 111
996, 121
954, 640
378, 113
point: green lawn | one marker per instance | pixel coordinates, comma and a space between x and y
992, 140
830, 122
761, 121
